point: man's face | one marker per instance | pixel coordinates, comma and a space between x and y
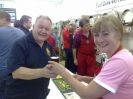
29, 23
42, 30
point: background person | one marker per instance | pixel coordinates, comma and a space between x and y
84, 51
56, 39
116, 77
25, 23
51, 41
16, 23
67, 44
8, 35
28, 78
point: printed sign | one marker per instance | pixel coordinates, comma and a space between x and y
109, 4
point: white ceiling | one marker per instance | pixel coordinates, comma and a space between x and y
56, 9
61, 9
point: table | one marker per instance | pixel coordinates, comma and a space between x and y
56, 94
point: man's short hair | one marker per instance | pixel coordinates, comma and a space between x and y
24, 18
44, 17
17, 23
5, 15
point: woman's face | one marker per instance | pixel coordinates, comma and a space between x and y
86, 27
107, 41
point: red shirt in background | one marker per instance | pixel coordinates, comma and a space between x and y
52, 42
65, 35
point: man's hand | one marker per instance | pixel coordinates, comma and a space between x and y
56, 68
48, 73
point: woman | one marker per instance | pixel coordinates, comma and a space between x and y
115, 81
84, 51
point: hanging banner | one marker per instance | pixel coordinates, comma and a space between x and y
109, 4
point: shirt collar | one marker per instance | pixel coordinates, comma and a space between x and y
32, 40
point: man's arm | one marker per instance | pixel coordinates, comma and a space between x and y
29, 74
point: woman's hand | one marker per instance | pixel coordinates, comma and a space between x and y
56, 68
78, 77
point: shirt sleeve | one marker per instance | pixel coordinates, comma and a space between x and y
112, 75
16, 57
76, 41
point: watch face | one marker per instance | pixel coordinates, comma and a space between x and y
127, 17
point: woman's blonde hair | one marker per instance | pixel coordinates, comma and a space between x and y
108, 23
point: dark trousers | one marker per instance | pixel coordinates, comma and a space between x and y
69, 61
3, 76
29, 95
2, 89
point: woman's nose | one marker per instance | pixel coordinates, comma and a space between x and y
100, 38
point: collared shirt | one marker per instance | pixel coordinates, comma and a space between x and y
84, 45
8, 35
117, 76
26, 52
25, 30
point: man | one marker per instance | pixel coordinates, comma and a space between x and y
28, 77
69, 61
8, 35
25, 23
